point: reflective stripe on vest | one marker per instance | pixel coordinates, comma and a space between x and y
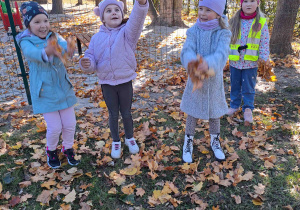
252, 50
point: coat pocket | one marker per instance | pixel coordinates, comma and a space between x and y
68, 80
36, 91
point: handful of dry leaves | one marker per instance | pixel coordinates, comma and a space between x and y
265, 71
71, 47
197, 76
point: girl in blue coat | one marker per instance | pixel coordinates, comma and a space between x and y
209, 38
51, 90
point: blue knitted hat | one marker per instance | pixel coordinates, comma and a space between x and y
29, 10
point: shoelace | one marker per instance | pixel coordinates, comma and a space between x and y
188, 146
132, 142
216, 143
117, 146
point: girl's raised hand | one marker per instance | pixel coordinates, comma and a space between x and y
85, 63
52, 48
203, 67
142, 2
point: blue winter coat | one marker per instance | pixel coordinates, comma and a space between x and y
213, 45
50, 87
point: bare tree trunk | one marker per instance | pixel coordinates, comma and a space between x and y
152, 12
57, 7
169, 14
284, 23
97, 2
125, 6
79, 2
42, 1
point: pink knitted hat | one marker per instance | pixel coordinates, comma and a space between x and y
216, 5
243, 0
99, 10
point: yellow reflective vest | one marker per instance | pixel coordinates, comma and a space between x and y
252, 50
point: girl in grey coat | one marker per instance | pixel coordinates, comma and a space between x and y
209, 38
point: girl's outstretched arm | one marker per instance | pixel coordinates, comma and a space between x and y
134, 26
264, 45
189, 50
31, 52
89, 54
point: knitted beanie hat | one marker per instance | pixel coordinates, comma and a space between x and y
99, 10
243, 0
29, 10
216, 5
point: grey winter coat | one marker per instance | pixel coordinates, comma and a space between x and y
213, 45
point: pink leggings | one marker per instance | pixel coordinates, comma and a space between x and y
62, 121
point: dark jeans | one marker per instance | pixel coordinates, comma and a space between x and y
119, 98
242, 87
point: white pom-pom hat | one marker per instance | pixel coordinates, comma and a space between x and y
99, 10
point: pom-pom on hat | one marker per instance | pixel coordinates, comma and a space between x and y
103, 4
216, 5
29, 10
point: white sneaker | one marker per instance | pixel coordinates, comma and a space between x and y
216, 147
116, 149
248, 115
187, 150
132, 146
231, 111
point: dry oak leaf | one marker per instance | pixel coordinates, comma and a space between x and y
257, 202
259, 189
249, 175
70, 197
25, 197
237, 199
44, 197
65, 206
1, 187
14, 201
198, 187
24, 184
48, 184
129, 171
113, 190
216, 208
128, 189
268, 164
140, 191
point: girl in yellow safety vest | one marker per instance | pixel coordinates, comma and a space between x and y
249, 42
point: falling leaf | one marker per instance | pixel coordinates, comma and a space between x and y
140, 192
41, 127
102, 104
